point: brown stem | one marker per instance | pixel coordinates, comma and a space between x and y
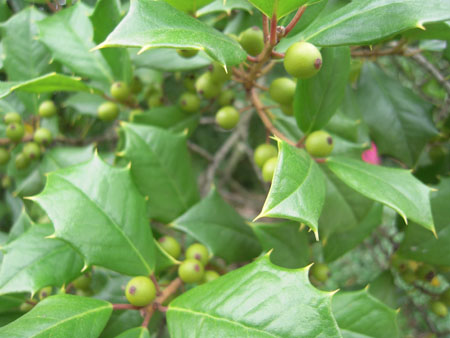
265, 25
294, 20
252, 58
125, 307
158, 289
273, 30
277, 55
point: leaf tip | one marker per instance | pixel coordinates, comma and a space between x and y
52, 236
420, 26
85, 267
100, 46
332, 293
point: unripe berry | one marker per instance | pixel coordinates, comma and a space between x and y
120, 91
6, 182
189, 83
45, 292
189, 102
191, 271
226, 98
136, 85
199, 252
25, 307
252, 40
210, 275
227, 117
22, 161
302, 60
218, 73
15, 132
12, 118
320, 272
47, 109
439, 309
140, 291
108, 111
83, 282
171, 246
287, 109
264, 152
268, 170
4, 156
282, 90
319, 144
43, 136
155, 99
187, 53
206, 87
32, 150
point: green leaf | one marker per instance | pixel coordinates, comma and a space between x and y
84, 103
422, 246
376, 20
33, 261
12, 301
257, 300
347, 218
117, 58
387, 105
225, 6
189, 6
48, 83
317, 99
217, 225
68, 34
61, 316
86, 204
22, 224
161, 168
62, 157
169, 117
152, 24
359, 314
137, 332
278, 7
439, 30
383, 287
289, 243
298, 188
396, 188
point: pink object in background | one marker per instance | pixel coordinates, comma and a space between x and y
371, 155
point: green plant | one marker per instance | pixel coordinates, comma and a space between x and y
335, 150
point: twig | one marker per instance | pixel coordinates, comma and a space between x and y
265, 25
158, 289
294, 20
199, 150
273, 30
125, 307
422, 61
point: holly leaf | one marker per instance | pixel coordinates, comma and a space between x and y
376, 20
189, 6
48, 83
137, 332
62, 157
22, 224
60, 316
153, 24
288, 241
278, 8
163, 157
225, 6
168, 60
422, 246
72, 46
298, 188
317, 99
395, 188
359, 314
213, 216
284, 304
33, 261
94, 205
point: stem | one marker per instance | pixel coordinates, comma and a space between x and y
295, 20
273, 30
158, 289
125, 307
265, 25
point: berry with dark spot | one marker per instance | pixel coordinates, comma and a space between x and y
45, 292
189, 102
32, 150
206, 87
199, 252
140, 291
302, 60
319, 144
43, 136
191, 271
15, 132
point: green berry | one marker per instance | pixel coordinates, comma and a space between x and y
189, 83
282, 90
287, 109
15, 132
120, 91
155, 99
268, 170
206, 87
319, 144
187, 53
445, 297
45, 292
199, 252
108, 111
189, 102
6, 182
320, 272
136, 85
83, 282
25, 307
252, 40
191, 271
263, 152
226, 98
439, 309
4, 156
22, 161
12, 118
302, 60
47, 109
32, 150
43, 136
140, 291
210, 275
227, 117
171, 246
134, 113
218, 73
